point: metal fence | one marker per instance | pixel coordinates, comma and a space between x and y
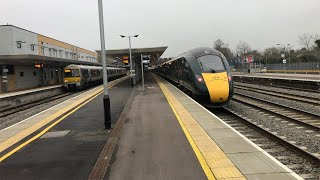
294, 66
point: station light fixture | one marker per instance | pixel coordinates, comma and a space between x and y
131, 68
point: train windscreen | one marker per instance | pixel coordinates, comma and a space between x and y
211, 63
71, 73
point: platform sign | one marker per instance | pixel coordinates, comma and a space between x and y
284, 61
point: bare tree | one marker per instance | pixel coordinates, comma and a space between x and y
219, 44
271, 55
307, 40
243, 48
317, 42
223, 48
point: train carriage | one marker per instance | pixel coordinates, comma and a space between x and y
81, 76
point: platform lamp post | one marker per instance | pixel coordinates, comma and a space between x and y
289, 62
284, 54
106, 98
129, 37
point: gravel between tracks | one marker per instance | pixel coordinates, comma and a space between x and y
296, 162
292, 132
290, 103
20, 116
284, 90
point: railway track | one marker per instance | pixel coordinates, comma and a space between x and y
23, 107
279, 86
304, 118
290, 96
300, 161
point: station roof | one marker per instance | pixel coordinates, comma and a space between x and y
154, 52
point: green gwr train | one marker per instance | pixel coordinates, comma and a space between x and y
204, 72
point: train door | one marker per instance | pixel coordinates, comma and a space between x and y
187, 75
85, 75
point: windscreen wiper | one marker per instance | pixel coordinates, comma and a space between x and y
207, 67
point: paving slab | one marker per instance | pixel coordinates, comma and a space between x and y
223, 134
237, 145
275, 176
250, 163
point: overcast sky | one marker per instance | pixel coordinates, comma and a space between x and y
179, 24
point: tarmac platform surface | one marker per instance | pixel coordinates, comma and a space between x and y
152, 145
70, 149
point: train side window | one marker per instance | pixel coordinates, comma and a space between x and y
85, 73
186, 64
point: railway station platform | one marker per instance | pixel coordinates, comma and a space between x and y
300, 77
158, 133
293, 81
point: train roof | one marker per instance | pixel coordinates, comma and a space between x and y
197, 52
89, 67
201, 51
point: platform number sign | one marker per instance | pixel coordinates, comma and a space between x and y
284, 61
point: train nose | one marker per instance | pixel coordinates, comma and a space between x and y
217, 85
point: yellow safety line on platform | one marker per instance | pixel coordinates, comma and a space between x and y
201, 159
18, 137
213, 160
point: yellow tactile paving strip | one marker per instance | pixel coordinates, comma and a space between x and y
64, 109
213, 160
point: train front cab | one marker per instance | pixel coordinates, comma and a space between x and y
216, 75
212, 81
72, 78
76, 78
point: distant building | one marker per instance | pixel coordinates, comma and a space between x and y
18, 41
29, 59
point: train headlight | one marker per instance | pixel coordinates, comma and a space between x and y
199, 78
65, 81
229, 77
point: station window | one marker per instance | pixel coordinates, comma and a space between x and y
21, 74
34, 73
32, 47
18, 44
42, 49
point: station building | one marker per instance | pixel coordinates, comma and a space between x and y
29, 59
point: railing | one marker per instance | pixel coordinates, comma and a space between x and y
294, 71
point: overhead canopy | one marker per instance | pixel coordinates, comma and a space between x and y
154, 53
